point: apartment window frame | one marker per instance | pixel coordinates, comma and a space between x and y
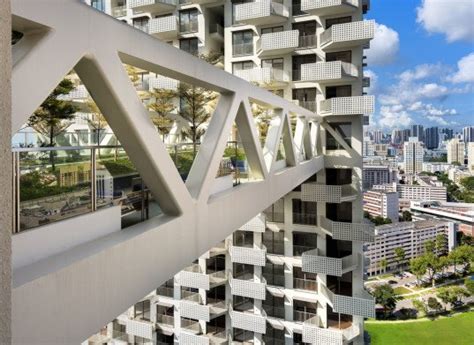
307, 37
304, 212
304, 241
242, 43
270, 270
297, 61
144, 310
274, 63
192, 45
188, 20
271, 30
274, 242
343, 55
345, 131
296, 8
338, 20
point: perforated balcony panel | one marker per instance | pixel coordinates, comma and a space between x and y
194, 280
352, 232
316, 335
248, 322
316, 192
354, 306
249, 289
250, 256
256, 224
313, 263
192, 339
194, 311
139, 328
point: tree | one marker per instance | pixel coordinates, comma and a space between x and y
263, 117
466, 255
379, 220
383, 264
455, 258
434, 304
385, 296
96, 120
440, 243
161, 103
432, 265
54, 115
420, 306
451, 295
443, 263
400, 256
418, 267
406, 216
469, 283
196, 107
429, 246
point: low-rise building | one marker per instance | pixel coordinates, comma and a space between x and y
374, 174
435, 166
411, 236
415, 192
462, 214
381, 204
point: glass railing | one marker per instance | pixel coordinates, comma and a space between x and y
307, 41
305, 284
189, 27
273, 311
52, 184
298, 250
301, 316
305, 219
242, 49
274, 279
167, 291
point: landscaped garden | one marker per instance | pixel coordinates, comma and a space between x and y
457, 329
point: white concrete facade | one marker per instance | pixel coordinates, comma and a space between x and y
382, 204
196, 216
413, 156
455, 149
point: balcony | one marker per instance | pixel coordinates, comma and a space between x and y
313, 262
165, 323
248, 320
329, 73
139, 328
248, 255
361, 232
161, 82
264, 75
347, 35
256, 224
247, 286
314, 332
193, 277
214, 337
278, 43
154, 6
217, 32
310, 105
362, 304
317, 192
164, 27
356, 105
119, 11
260, 13
329, 7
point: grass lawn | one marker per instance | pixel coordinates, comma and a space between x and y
457, 330
401, 290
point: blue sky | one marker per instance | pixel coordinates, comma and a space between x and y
422, 63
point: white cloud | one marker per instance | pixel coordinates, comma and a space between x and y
420, 72
394, 116
432, 90
465, 72
384, 46
448, 17
438, 120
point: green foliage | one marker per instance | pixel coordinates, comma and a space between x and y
442, 159
239, 154
469, 283
406, 216
385, 296
418, 267
119, 167
36, 185
434, 304
441, 242
452, 294
420, 306
400, 256
429, 246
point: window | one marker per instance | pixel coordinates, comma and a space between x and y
303, 310
189, 45
271, 30
339, 212
296, 8
338, 91
273, 63
274, 306
242, 43
334, 21
275, 213
242, 65
274, 241
274, 274
307, 35
243, 238
188, 20
345, 56
306, 98
142, 310
299, 60
303, 242
338, 176
344, 130
304, 212
303, 280
141, 23
98, 5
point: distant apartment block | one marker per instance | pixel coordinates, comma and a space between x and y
470, 157
455, 150
378, 174
462, 214
382, 204
411, 236
368, 147
413, 156
415, 192
434, 167
468, 134
431, 138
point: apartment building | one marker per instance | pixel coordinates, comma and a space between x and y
411, 236
376, 174
470, 157
455, 149
381, 204
294, 273
368, 148
415, 192
413, 156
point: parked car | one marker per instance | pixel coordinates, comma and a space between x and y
391, 282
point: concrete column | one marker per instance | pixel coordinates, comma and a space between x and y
6, 173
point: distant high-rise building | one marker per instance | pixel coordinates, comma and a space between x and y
468, 134
405, 135
448, 133
417, 131
455, 150
470, 157
413, 156
397, 136
368, 147
378, 136
432, 138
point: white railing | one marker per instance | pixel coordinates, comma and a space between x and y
354, 31
255, 10
313, 262
314, 332
333, 70
265, 75
140, 3
279, 40
119, 11
249, 321
355, 105
161, 82
361, 306
165, 24
247, 286
361, 232
245, 255
314, 5
318, 192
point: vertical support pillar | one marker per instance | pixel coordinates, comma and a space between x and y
6, 210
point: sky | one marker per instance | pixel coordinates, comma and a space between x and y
421, 63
